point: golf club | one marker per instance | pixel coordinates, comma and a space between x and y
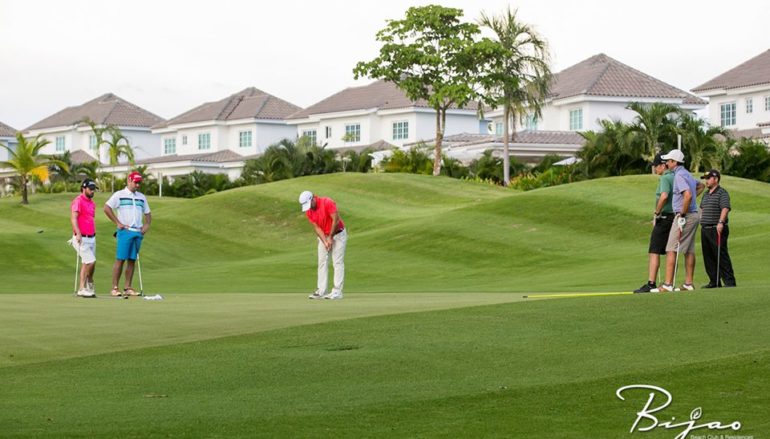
680, 225
719, 253
77, 263
139, 267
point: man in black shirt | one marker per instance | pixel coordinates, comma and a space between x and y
714, 207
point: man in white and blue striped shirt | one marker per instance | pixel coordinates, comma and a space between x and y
132, 220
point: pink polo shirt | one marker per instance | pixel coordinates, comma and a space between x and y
86, 210
322, 215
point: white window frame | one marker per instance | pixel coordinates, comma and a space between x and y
204, 141
311, 134
244, 139
767, 103
184, 140
355, 130
727, 116
92, 142
400, 130
749, 105
169, 146
61, 143
576, 119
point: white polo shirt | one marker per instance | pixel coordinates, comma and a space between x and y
130, 206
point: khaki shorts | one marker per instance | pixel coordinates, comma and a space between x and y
86, 249
686, 238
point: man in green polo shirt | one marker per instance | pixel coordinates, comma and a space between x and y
663, 218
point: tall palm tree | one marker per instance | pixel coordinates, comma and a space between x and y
27, 161
652, 122
701, 143
117, 146
528, 61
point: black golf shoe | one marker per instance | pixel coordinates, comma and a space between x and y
646, 288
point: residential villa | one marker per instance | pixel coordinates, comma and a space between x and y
67, 131
740, 98
378, 115
217, 137
7, 138
599, 87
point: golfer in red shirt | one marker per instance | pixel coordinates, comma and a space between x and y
332, 240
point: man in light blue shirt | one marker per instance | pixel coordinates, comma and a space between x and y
682, 235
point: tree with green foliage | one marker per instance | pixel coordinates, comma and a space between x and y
431, 55
25, 159
615, 150
748, 158
652, 122
415, 160
701, 142
117, 143
524, 77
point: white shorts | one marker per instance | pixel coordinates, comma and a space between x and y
86, 249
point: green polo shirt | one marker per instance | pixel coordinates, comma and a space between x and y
666, 184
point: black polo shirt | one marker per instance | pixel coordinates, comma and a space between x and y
711, 206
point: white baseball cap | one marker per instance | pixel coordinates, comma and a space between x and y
305, 199
675, 155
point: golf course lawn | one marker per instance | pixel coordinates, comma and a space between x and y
433, 339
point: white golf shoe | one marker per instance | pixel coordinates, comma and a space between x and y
333, 296
663, 288
86, 293
316, 295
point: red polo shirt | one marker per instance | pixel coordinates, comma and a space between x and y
86, 209
322, 215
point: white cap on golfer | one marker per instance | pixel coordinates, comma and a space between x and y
675, 155
305, 199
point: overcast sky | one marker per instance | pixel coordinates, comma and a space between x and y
168, 56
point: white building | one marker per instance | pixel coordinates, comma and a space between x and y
378, 114
7, 138
598, 88
739, 99
245, 123
67, 131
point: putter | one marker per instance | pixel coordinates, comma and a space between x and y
719, 253
77, 263
139, 267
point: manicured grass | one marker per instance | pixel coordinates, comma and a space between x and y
433, 338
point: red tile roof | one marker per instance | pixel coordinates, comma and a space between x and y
381, 95
80, 156
601, 75
209, 157
7, 131
104, 110
250, 103
755, 71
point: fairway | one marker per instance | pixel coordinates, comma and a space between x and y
470, 311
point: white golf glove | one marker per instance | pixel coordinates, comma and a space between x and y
680, 222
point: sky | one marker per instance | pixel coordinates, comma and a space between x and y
168, 56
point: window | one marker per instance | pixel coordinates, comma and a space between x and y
184, 140
244, 139
400, 130
328, 132
576, 119
767, 103
92, 142
749, 105
727, 114
531, 122
311, 135
60, 144
499, 129
169, 146
204, 141
353, 133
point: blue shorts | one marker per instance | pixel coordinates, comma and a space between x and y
129, 243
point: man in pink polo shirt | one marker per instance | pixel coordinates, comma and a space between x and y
83, 239
332, 240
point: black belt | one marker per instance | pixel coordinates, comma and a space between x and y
339, 231
708, 227
88, 236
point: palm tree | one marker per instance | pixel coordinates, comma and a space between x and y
117, 144
652, 122
613, 151
701, 143
27, 161
527, 62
